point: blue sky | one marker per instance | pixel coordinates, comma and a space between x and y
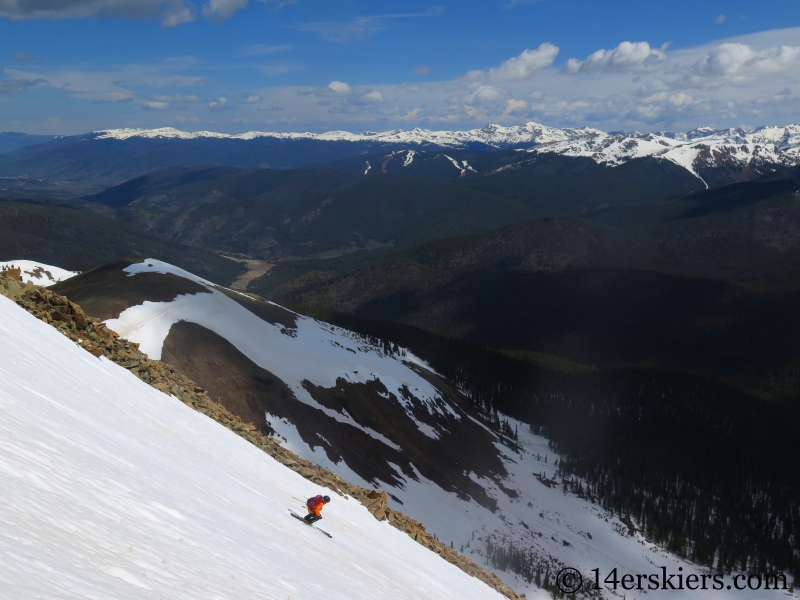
70, 66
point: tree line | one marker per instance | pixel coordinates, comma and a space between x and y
706, 470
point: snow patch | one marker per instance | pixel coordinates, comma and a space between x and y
38, 273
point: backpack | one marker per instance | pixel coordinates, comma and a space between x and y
311, 503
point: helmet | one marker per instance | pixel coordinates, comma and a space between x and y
327, 499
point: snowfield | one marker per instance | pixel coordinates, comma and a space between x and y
111, 489
38, 273
557, 528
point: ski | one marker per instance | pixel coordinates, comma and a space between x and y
298, 517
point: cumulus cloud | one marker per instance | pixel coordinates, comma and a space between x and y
253, 99
422, 70
732, 59
12, 87
628, 56
720, 19
171, 12
270, 108
514, 107
155, 105
520, 67
486, 94
339, 87
218, 104
373, 97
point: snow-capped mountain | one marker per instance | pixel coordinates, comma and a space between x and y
373, 414
106, 158
113, 489
698, 151
496, 136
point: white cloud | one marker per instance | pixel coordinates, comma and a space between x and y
748, 79
720, 19
218, 104
514, 107
220, 10
171, 12
154, 105
520, 67
628, 56
373, 97
339, 87
486, 94
734, 59
253, 99
422, 70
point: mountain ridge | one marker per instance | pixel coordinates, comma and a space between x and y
692, 150
92, 161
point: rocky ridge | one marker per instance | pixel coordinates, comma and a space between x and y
94, 337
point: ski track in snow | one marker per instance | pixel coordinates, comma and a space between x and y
112, 489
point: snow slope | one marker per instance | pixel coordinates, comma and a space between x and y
329, 349
111, 489
553, 527
38, 273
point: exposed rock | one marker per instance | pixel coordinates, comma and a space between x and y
94, 337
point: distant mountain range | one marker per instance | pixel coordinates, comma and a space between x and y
111, 156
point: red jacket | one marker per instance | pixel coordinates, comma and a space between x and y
315, 505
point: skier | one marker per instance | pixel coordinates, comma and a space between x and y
314, 506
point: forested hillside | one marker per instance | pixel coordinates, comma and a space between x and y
699, 466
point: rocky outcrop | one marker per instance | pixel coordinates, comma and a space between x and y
94, 337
